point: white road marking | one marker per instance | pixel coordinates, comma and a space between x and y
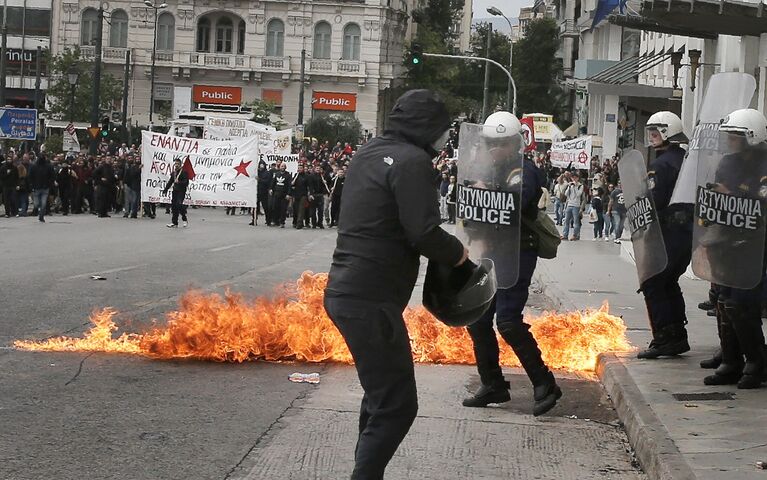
227, 247
102, 272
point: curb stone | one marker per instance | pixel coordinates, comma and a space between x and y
656, 452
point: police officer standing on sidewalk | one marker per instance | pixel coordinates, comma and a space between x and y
729, 244
514, 251
390, 218
663, 295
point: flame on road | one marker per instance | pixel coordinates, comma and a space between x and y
293, 326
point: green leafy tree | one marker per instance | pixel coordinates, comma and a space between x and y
435, 19
334, 128
59, 90
536, 69
469, 83
262, 111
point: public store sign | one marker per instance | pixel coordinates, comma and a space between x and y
18, 123
219, 95
341, 102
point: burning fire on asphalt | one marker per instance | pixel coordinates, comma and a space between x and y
293, 326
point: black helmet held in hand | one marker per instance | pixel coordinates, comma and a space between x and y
459, 296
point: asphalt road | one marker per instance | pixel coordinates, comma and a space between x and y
96, 416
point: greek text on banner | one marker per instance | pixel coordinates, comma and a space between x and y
575, 153
224, 172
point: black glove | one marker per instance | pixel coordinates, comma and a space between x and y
461, 274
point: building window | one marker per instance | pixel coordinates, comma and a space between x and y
118, 30
241, 37
166, 31
275, 38
224, 33
203, 35
322, 33
352, 37
89, 26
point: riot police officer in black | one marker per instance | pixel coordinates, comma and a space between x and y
663, 295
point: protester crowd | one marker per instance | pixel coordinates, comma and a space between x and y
110, 183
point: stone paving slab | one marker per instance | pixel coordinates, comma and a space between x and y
315, 440
673, 439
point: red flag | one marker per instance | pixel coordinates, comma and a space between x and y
188, 168
528, 131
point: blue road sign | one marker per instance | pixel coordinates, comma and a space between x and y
18, 123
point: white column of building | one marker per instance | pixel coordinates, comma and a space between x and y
762, 103
610, 128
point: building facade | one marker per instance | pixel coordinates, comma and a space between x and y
29, 34
657, 55
231, 52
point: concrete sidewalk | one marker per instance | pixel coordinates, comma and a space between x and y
680, 428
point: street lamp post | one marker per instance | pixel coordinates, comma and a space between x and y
72, 76
495, 11
156, 9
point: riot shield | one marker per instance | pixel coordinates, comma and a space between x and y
488, 198
725, 93
729, 228
642, 217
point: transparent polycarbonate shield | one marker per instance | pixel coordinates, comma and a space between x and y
642, 217
725, 93
729, 228
488, 197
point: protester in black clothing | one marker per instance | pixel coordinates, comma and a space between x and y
336, 190
279, 191
65, 179
320, 189
264, 180
178, 181
103, 180
9, 181
41, 180
132, 182
300, 191
391, 219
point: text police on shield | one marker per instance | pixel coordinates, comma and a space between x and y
487, 206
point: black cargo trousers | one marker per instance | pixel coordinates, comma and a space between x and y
378, 340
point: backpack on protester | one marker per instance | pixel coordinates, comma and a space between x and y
548, 235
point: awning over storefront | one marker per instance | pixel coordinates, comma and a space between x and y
626, 71
699, 18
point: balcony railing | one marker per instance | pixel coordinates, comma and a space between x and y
344, 68
220, 61
567, 28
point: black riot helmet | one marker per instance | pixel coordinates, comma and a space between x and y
459, 298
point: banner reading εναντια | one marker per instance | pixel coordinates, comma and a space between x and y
222, 173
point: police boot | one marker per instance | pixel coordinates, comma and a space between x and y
546, 392
731, 368
667, 341
748, 328
496, 392
713, 362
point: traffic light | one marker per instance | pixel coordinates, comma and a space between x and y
416, 53
105, 123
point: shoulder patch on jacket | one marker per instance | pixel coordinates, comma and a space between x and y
388, 161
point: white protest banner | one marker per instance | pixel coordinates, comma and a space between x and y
70, 143
576, 152
222, 128
291, 161
280, 143
221, 173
